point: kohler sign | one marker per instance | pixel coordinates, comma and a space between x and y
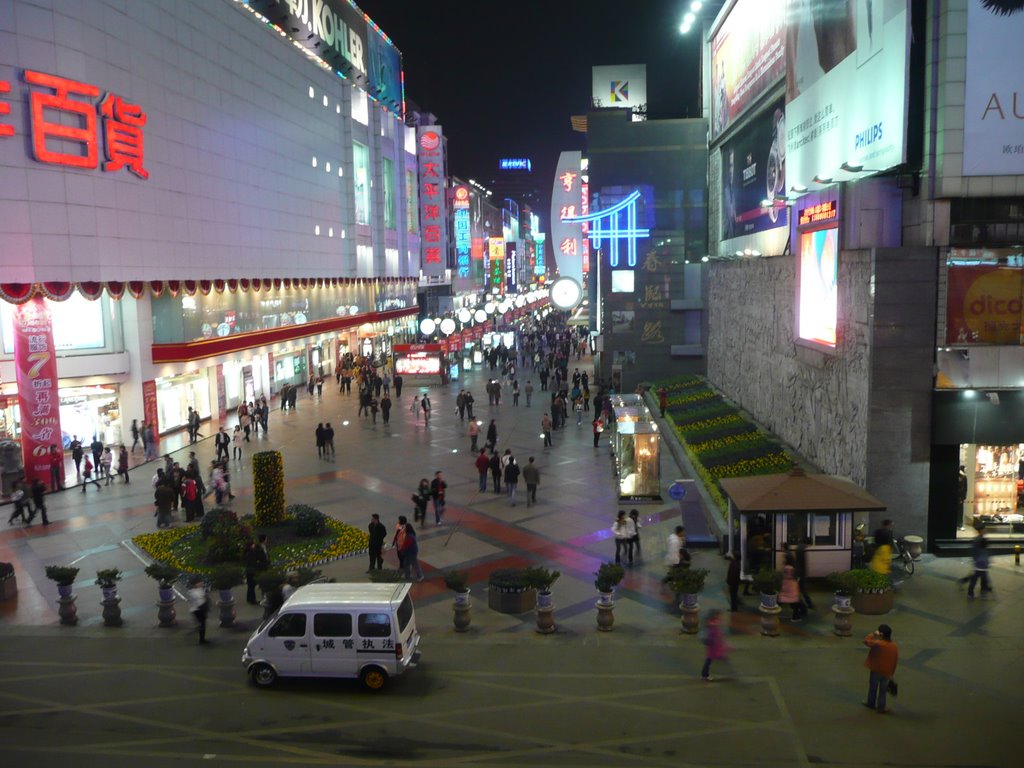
337, 28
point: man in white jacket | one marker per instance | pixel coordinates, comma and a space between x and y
623, 529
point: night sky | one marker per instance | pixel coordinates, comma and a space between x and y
503, 78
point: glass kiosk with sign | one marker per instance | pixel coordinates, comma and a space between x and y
638, 460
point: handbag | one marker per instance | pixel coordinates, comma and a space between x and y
893, 688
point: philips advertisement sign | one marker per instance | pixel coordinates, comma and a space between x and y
846, 87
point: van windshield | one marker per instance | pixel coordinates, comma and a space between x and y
404, 613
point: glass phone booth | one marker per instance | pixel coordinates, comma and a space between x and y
638, 460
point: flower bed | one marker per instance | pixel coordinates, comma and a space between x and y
718, 439
185, 549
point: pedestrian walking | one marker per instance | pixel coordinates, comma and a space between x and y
398, 385
622, 532
56, 459
598, 427
87, 476
511, 479
545, 427
257, 560
236, 442
474, 434
328, 441
122, 463
676, 545
163, 498
789, 594
483, 465
38, 501
425, 407
96, 447
374, 408
385, 406
981, 567
199, 606
528, 391
662, 401
495, 464
531, 476
319, 432
378, 532
715, 647
438, 489
411, 554
492, 436
883, 656
76, 454
420, 499
634, 543
106, 462
398, 541
221, 443
20, 504
135, 434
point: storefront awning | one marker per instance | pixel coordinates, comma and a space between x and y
797, 491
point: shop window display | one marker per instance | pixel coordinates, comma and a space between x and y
995, 483
84, 411
176, 394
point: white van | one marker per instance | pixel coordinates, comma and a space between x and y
337, 630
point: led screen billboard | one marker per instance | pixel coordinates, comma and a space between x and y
818, 300
994, 101
846, 86
753, 171
747, 58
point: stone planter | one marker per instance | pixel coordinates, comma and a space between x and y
461, 608
67, 610
915, 544
9, 588
606, 598
545, 613
513, 601
769, 600
841, 601
111, 609
841, 625
109, 593
166, 613
873, 603
605, 616
691, 614
226, 607
769, 618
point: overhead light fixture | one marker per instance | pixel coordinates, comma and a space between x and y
851, 168
696, 5
798, 188
705, 259
819, 179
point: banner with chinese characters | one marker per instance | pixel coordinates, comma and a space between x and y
150, 409
35, 365
496, 264
512, 267
567, 243
433, 201
463, 240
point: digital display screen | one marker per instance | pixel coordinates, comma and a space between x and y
418, 364
623, 281
818, 300
826, 211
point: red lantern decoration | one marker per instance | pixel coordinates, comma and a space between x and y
277, 283
173, 286
91, 290
17, 293
205, 286
232, 285
57, 291
115, 289
136, 288
244, 284
267, 284
190, 287
219, 286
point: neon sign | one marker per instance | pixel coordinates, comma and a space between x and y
515, 164
608, 224
815, 214
124, 142
462, 233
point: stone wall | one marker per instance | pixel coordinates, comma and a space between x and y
815, 401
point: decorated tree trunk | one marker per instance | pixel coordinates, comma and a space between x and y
268, 487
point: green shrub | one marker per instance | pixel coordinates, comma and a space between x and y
309, 521
541, 579
457, 581
768, 581
108, 577
687, 581
510, 579
164, 574
225, 577
64, 575
268, 488
866, 580
608, 576
216, 517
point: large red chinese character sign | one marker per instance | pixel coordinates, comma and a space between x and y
63, 124
433, 201
35, 364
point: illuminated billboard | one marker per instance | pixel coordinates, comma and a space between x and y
846, 86
754, 171
567, 243
496, 264
818, 299
623, 86
994, 104
515, 164
747, 58
418, 364
460, 224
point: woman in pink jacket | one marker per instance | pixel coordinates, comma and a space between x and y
790, 592
715, 647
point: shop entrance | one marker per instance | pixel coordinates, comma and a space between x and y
990, 485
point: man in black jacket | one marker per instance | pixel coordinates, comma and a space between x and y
378, 532
257, 558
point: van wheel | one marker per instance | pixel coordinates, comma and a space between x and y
373, 678
263, 675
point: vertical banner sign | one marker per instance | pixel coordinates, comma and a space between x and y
567, 243
270, 366
538, 267
433, 201
150, 411
511, 267
35, 366
222, 394
496, 251
460, 206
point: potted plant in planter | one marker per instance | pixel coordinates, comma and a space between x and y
509, 590
607, 578
224, 578
872, 592
64, 576
8, 582
106, 580
688, 583
843, 585
164, 576
458, 582
541, 579
768, 582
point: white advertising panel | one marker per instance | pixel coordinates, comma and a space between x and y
622, 86
748, 57
567, 244
994, 101
846, 86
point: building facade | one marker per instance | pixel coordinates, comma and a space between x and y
204, 209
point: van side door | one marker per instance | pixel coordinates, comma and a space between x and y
334, 652
287, 644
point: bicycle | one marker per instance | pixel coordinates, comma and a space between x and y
901, 553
